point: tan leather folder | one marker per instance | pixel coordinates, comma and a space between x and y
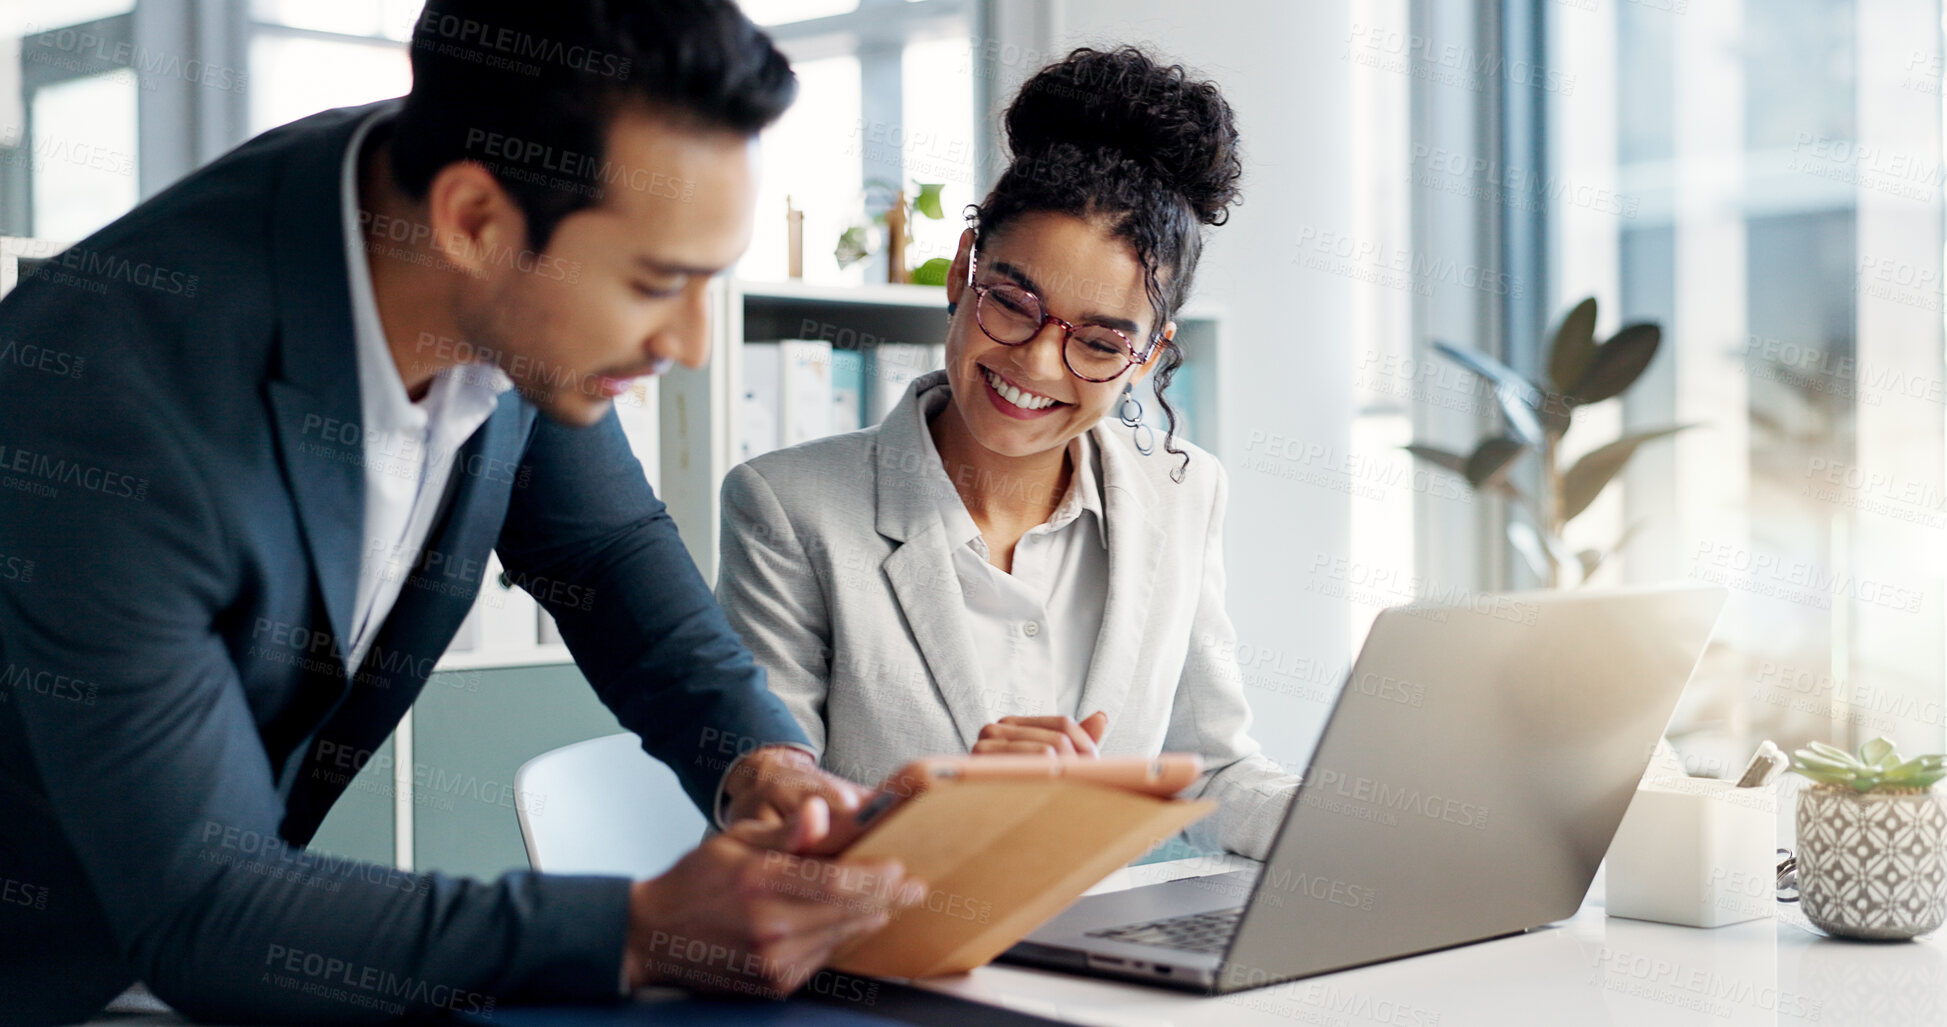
1000, 859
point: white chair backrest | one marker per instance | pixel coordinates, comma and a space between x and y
604, 807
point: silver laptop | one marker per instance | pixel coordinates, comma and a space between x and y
1467, 783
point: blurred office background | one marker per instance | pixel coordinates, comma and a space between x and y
1764, 181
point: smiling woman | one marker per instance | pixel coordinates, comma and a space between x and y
999, 566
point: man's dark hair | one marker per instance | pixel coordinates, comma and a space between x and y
529, 88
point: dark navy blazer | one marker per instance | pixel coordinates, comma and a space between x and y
181, 508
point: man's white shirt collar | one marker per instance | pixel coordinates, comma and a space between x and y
408, 447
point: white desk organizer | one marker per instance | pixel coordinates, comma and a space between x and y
1695, 852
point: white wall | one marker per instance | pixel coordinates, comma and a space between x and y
1290, 338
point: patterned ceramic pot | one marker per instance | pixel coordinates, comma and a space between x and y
1872, 864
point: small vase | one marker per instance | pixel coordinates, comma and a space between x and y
1872, 864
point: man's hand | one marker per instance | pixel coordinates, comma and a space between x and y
781, 786
738, 916
1051, 736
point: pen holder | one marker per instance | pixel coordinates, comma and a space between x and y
1695, 852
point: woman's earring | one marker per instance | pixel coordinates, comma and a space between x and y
1130, 410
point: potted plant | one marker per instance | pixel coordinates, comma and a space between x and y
1536, 415
1872, 841
895, 216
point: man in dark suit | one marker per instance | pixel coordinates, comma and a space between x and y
303, 393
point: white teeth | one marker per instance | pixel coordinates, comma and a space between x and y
1020, 398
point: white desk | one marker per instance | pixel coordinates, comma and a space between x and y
1588, 970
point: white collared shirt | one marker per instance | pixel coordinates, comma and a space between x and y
408, 446
1034, 629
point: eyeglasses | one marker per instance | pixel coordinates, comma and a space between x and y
1013, 316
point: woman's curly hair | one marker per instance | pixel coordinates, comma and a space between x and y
1117, 136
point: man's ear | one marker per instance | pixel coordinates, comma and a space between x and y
472, 217
1148, 365
956, 277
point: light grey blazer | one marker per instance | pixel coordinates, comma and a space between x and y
836, 570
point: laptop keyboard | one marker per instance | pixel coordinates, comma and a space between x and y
1193, 932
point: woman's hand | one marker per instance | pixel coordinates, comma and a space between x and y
1043, 736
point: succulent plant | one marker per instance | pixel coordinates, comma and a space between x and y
1535, 416
1877, 767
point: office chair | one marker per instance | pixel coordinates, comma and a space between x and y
604, 807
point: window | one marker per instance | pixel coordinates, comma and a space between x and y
308, 57
1383, 484
83, 154
1767, 187
826, 189
67, 121
117, 103
382, 19
774, 12
887, 85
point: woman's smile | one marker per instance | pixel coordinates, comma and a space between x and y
1015, 401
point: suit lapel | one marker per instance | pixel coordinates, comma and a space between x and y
327, 484
923, 579
921, 569
1135, 552
434, 600
314, 398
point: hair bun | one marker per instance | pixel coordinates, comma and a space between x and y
1178, 129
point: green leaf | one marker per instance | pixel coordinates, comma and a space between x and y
1876, 752
1916, 767
933, 272
1557, 413
1518, 397
1823, 770
1439, 457
1589, 568
928, 200
1810, 759
1831, 752
1573, 348
1598, 467
1825, 777
851, 246
1491, 461
1618, 363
